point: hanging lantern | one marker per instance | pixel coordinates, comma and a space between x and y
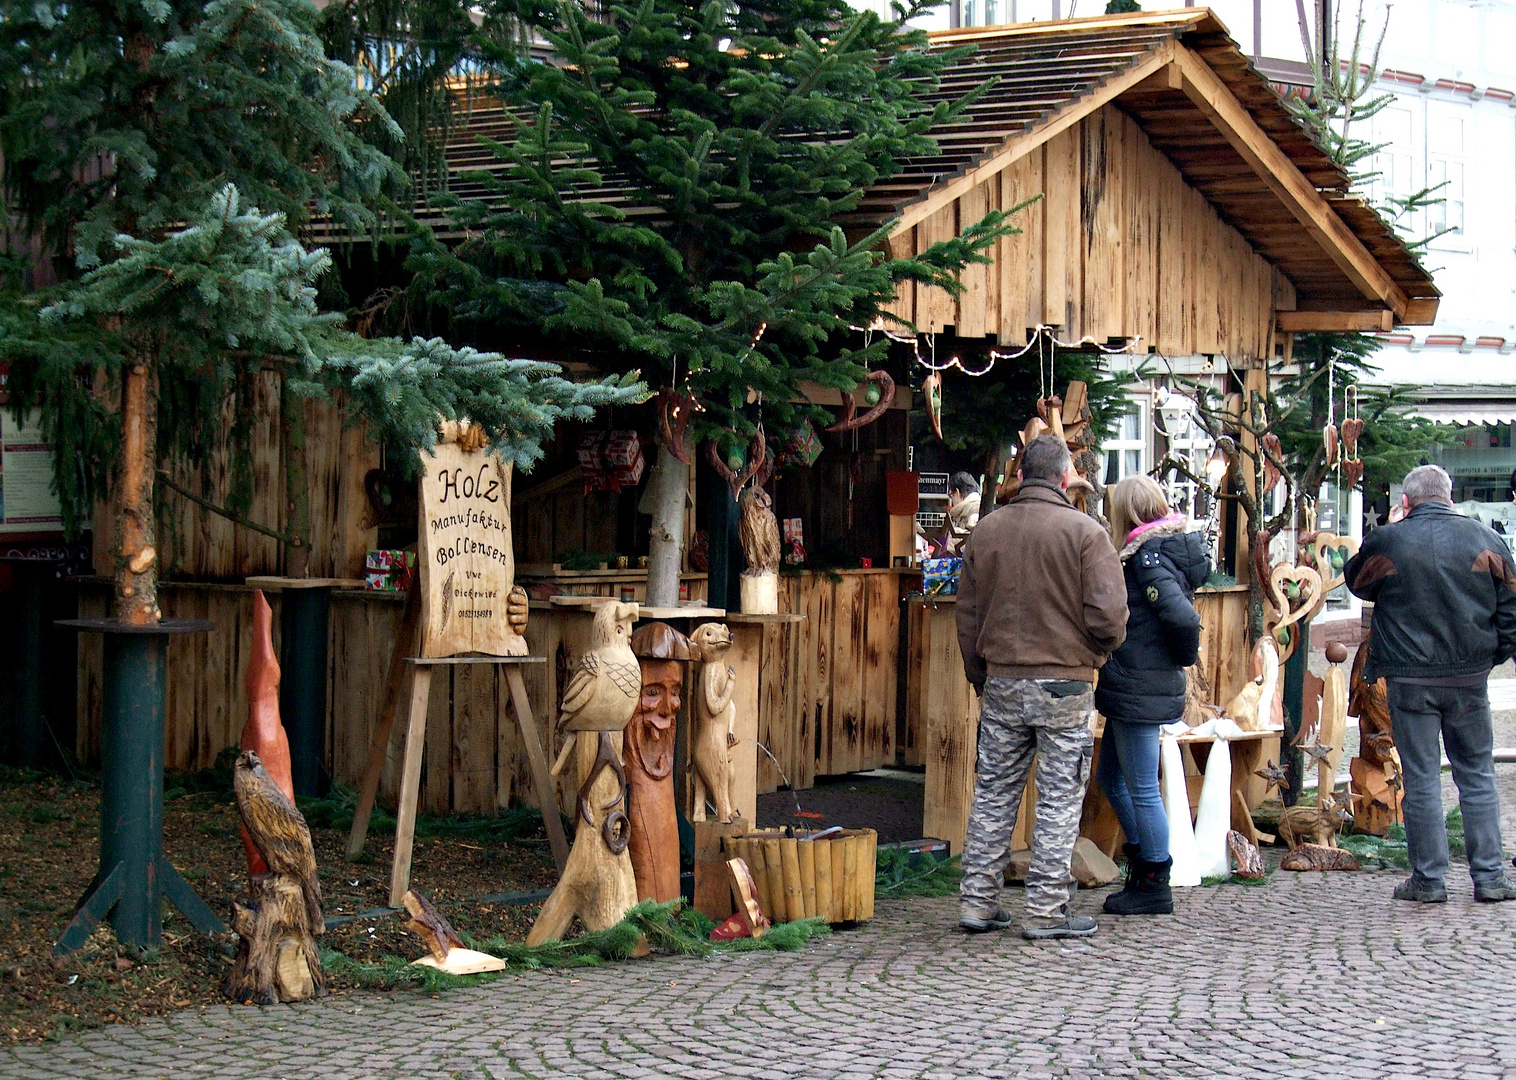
1215, 467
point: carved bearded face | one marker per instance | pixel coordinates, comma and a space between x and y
650, 735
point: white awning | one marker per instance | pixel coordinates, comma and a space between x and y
1467, 413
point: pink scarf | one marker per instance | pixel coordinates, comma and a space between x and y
1150, 525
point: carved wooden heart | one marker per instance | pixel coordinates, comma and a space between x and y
1351, 429
849, 407
1300, 594
1323, 546
1272, 453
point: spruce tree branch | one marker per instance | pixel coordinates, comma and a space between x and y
230, 515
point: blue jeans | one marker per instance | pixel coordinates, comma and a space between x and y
1128, 774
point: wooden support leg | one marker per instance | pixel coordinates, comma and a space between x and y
541, 779
410, 784
379, 745
1246, 755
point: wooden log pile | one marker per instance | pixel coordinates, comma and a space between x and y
803, 876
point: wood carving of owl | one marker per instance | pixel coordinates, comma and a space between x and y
758, 531
278, 831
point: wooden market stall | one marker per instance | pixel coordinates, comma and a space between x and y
1182, 208
1182, 211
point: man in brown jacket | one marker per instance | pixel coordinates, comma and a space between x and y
1041, 603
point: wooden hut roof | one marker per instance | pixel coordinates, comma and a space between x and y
1201, 103
1198, 98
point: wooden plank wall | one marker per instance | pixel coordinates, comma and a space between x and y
832, 674
1119, 246
194, 543
828, 700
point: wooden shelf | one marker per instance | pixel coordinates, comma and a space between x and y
748, 617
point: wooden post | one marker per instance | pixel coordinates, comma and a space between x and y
410, 783
136, 558
541, 780
378, 747
1294, 698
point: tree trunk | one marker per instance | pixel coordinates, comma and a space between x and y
670, 488
277, 958
296, 484
136, 556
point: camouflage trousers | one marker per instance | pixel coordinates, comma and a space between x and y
1021, 720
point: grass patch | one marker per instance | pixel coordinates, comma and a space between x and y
1233, 879
670, 929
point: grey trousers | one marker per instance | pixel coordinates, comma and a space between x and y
1458, 717
1020, 720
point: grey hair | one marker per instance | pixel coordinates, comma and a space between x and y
1045, 458
1427, 483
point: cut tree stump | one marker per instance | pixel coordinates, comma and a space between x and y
277, 959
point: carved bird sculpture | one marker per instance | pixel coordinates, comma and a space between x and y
278, 831
1252, 708
603, 690
758, 531
264, 733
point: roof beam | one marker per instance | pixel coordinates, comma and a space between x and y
1206, 89
1019, 145
1295, 322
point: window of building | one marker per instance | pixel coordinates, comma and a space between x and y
1126, 453
1446, 165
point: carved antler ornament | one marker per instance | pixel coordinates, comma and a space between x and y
850, 421
756, 454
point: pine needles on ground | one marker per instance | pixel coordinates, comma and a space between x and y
899, 874
669, 929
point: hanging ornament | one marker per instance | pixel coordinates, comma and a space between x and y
735, 457
871, 394
1271, 474
931, 390
1352, 472
1329, 441
674, 411
850, 421
1352, 428
737, 477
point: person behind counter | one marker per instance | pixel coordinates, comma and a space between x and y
963, 510
1040, 605
1142, 684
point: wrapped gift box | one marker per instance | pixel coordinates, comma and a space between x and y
389, 570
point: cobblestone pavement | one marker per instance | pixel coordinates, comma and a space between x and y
1311, 976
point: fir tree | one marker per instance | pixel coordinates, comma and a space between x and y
675, 199
134, 138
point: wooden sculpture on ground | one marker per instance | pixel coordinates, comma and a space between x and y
445, 950
758, 532
713, 727
1319, 857
654, 834
1317, 824
1375, 772
277, 958
597, 883
264, 733
1245, 855
1331, 727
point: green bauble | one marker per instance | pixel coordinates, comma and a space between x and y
871, 394
735, 459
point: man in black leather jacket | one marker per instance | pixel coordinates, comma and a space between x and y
1444, 593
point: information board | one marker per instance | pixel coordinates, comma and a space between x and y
27, 502
464, 557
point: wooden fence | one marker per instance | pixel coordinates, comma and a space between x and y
826, 702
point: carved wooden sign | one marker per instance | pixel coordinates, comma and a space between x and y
464, 554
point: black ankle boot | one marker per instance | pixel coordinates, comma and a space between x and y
1146, 893
1132, 851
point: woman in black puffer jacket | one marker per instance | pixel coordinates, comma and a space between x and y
1142, 683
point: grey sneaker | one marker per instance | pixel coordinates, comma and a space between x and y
1419, 890
980, 924
1071, 926
1492, 892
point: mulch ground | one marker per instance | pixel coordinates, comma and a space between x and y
49, 848
893, 807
